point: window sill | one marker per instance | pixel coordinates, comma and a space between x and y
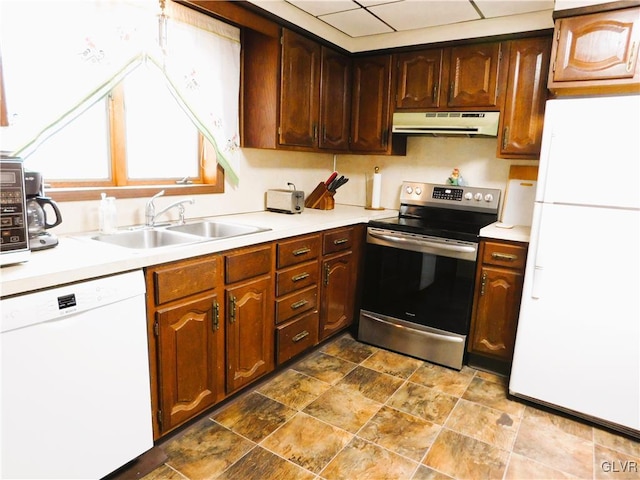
93, 193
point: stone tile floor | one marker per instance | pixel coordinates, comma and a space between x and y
352, 411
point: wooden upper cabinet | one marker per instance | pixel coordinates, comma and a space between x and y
315, 98
526, 94
335, 100
300, 90
370, 112
419, 79
597, 53
474, 75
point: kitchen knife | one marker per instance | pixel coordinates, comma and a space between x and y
339, 183
332, 185
331, 178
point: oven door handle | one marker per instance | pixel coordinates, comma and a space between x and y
434, 247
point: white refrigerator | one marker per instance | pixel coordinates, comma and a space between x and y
578, 338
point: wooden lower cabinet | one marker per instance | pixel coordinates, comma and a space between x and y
249, 315
339, 268
250, 336
497, 299
186, 339
190, 359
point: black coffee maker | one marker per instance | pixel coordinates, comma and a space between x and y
37, 206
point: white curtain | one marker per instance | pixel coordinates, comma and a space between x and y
60, 57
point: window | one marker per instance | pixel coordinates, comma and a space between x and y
100, 106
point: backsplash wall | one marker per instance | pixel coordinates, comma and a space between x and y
428, 159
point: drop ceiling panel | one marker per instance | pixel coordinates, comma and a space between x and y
356, 23
500, 8
323, 7
410, 15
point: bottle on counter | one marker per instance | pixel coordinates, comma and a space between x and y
108, 215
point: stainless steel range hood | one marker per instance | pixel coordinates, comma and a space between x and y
447, 123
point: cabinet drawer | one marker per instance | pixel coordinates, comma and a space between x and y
180, 279
296, 303
298, 250
247, 264
297, 336
295, 278
504, 254
337, 241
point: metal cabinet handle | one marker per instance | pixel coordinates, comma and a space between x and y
507, 257
232, 309
483, 283
434, 93
327, 272
340, 241
215, 325
301, 251
300, 336
299, 304
302, 276
505, 137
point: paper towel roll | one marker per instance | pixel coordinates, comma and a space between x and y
376, 189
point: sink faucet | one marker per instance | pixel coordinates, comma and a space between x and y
150, 213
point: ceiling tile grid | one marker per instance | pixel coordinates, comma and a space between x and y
371, 17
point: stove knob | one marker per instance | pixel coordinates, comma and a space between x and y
488, 197
468, 196
418, 191
478, 196
409, 190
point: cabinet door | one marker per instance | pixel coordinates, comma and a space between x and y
189, 357
250, 332
370, 120
300, 90
335, 101
600, 46
473, 78
419, 78
494, 327
523, 112
338, 294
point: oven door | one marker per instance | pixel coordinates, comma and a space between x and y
422, 280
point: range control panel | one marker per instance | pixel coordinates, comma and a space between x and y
450, 196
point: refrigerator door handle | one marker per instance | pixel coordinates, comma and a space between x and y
537, 282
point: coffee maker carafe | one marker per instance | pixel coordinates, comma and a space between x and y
37, 206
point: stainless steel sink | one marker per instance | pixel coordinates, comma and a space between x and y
213, 229
148, 238
177, 234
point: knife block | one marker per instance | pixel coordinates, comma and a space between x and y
320, 198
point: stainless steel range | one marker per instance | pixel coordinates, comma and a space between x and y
420, 268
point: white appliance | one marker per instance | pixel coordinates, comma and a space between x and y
75, 379
578, 339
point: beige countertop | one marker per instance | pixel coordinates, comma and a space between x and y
517, 233
78, 257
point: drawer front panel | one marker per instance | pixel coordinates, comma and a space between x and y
504, 255
298, 250
297, 277
247, 264
297, 336
185, 278
296, 303
337, 241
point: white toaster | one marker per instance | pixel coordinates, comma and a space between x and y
285, 201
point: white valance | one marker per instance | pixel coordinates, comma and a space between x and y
61, 57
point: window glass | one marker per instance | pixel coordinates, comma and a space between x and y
80, 151
162, 142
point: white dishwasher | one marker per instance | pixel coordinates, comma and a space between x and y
75, 379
